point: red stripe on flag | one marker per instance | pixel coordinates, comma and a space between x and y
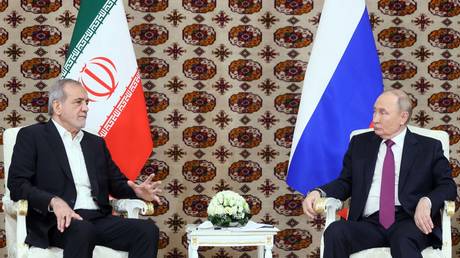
129, 140
343, 213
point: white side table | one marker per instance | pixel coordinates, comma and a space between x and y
261, 237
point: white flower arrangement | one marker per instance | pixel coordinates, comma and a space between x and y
228, 208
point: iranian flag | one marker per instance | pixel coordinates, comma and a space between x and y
101, 57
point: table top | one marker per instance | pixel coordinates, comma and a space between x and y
193, 229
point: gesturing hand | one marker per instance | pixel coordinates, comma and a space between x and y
147, 190
64, 214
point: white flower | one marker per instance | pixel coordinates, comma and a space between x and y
230, 203
228, 210
220, 210
246, 207
220, 198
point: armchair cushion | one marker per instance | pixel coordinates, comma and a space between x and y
54, 252
384, 252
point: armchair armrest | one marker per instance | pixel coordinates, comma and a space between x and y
328, 206
21, 228
133, 207
15, 224
449, 208
447, 212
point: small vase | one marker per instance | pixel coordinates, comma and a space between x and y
234, 224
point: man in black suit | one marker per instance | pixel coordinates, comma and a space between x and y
397, 181
67, 174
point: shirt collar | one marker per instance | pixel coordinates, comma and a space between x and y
399, 138
66, 134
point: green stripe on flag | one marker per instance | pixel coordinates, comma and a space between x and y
91, 15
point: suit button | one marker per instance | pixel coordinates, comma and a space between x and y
72, 201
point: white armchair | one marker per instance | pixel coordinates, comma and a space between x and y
329, 206
15, 216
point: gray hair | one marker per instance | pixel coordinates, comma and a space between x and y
404, 102
57, 93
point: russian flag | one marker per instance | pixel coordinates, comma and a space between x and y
342, 82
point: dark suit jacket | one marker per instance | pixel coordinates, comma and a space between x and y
424, 172
40, 170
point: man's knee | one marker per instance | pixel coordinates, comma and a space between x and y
149, 230
404, 246
81, 229
407, 243
336, 230
401, 241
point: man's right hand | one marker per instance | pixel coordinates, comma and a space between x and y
309, 202
64, 214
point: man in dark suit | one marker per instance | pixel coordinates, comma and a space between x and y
397, 181
67, 174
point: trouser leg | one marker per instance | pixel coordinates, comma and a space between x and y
406, 239
137, 236
77, 241
343, 238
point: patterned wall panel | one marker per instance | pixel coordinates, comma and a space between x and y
222, 82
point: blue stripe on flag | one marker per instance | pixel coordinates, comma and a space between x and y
346, 105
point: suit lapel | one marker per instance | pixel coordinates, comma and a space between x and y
369, 166
410, 151
57, 146
90, 155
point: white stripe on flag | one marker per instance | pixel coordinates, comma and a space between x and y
326, 53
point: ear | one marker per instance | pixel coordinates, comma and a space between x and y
57, 107
404, 117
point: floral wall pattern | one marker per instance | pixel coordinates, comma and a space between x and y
222, 82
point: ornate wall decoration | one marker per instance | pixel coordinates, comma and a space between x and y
222, 83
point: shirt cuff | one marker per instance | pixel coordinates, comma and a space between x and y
50, 209
424, 197
321, 192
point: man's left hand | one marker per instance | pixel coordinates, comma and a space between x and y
147, 190
422, 215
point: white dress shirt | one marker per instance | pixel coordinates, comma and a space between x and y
373, 200
78, 168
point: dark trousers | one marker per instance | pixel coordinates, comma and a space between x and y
343, 238
136, 236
